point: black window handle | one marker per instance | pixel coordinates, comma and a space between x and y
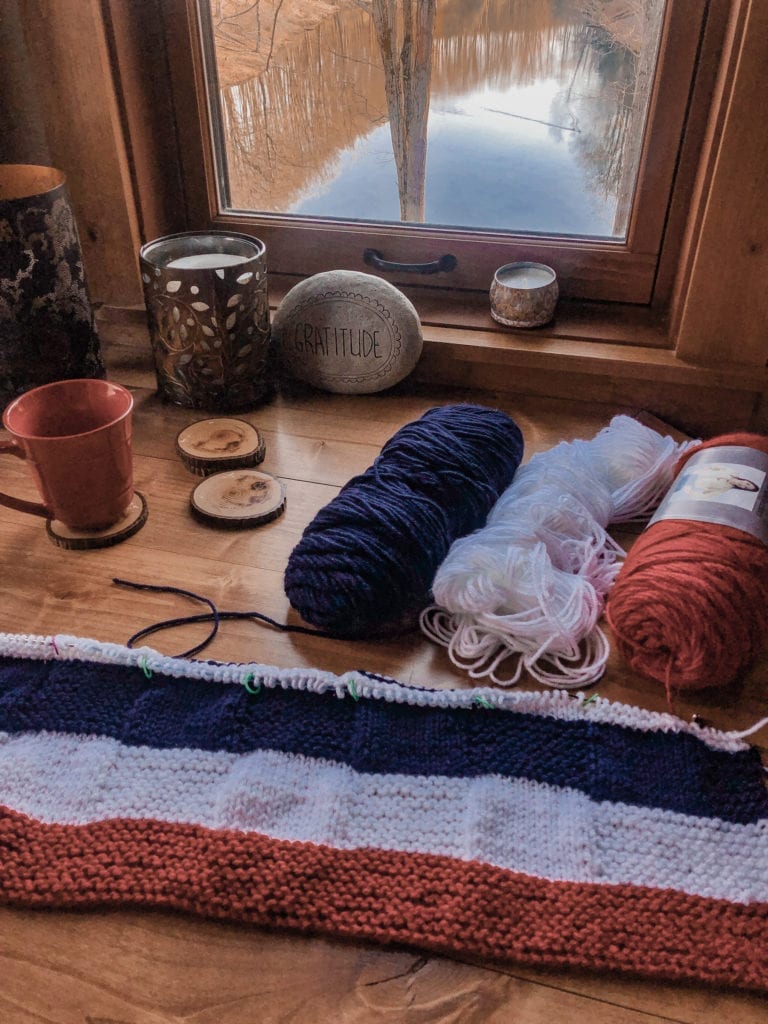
374, 259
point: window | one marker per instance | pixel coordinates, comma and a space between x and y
298, 104
525, 116
122, 89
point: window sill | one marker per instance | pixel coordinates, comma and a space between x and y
468, 312
597, 352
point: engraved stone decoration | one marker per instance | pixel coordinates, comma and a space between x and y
208, 312
347, 332
47, 330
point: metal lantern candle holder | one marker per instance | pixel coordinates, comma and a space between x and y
208, 311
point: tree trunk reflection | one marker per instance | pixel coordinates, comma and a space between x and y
405, 44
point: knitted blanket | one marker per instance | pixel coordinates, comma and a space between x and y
533, 828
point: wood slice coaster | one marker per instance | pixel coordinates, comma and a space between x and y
81, 540
239, 498
213, 445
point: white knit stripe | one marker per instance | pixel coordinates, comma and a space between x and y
542, 830
558, 704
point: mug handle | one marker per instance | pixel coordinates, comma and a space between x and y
33, 507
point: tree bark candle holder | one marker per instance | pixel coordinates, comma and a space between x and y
524, 294
208, 311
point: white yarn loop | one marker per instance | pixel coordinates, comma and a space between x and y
525, 592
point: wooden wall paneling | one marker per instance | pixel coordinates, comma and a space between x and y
722, 303
138, 51
22, 133
69, 56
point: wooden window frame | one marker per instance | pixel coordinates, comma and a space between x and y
588, 269
695, 354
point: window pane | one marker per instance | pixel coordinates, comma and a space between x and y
514, 115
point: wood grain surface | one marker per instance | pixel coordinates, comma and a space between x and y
157, 968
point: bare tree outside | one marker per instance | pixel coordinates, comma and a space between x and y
524, 115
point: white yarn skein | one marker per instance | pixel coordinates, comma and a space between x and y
531, 584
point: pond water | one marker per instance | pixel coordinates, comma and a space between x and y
481, 171
514, 115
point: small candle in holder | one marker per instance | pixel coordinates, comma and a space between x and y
207, 261
523, 294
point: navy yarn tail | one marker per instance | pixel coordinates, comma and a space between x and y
214, 616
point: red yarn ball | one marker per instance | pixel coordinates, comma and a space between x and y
690, 605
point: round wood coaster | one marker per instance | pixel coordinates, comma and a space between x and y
222, 443
81, 540
239, 498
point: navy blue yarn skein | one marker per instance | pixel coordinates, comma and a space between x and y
364, 566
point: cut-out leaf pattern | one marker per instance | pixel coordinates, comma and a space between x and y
210, 354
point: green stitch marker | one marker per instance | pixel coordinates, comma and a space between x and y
590, 700
249, 677
353, 689
483, 702
144, 667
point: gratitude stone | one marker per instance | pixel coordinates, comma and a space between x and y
347, 332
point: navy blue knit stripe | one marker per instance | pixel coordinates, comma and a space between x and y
607, 762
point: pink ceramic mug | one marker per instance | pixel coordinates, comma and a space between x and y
76, 438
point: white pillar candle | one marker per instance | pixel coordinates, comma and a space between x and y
207, 261
525, 277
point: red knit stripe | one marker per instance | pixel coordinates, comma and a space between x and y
430, 901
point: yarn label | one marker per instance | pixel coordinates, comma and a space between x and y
727, 485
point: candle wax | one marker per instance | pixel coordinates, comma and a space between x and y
206, 261
526, 277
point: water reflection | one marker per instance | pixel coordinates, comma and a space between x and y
516, 114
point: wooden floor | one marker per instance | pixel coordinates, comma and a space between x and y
145, 968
